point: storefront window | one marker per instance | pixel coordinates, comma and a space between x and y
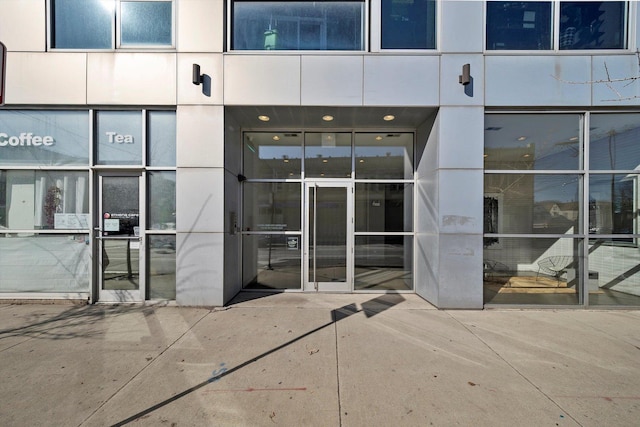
613, 142
119, 135
271, 261
297, 25
613, 272
161, 277
161, 135
44, 138
384, 207
383, 263
162, 200
276, 155
408, 24
272, 206
384, 155
327, 155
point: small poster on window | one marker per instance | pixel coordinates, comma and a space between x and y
292, 243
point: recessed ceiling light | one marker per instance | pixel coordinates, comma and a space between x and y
486, 155
526, 155
322, 174
522, 138
327, 118
276, 138
378, 138
361, 160
264, 118
286, 160
389, 117
325, 161
575, 138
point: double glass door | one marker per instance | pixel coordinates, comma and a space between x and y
328, 260
119, 237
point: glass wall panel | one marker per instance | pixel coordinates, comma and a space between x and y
271, 261
535, 203
161, 135
383, 263
161, 279
384, 155
119, 135
162, 200
44, 138
86, 24
408, 24
519, 25
145, 23
541, 271
592, 25
614, 267
327, 155
44, 263
272, 206
298, 25
614, 142
44, 200
384, 207
532, 141
272, 155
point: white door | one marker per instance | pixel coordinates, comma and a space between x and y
328, 254
119, 237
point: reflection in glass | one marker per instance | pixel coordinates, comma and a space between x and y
44, 200
120, 205
614, 272
328, 234
120, 265
86, 24
162, 200
384, 207
540, 271
162, 138
384, 155
44, 138
271, 206
613, 204
271, 261
384, 262
327, 155
592, 25
536, 203
161, 279
613, 141
44, 263
408, 24
532, 141
145, 23
272, 155
119, 135
297, 25
518, 25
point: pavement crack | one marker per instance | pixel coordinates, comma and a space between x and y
513, 367
144, 368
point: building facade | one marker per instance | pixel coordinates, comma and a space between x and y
475, 153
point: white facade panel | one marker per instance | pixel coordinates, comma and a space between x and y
460, 278
460, 205
452, 92
22, 25
461, 26
46, 78
200, 25
200, 136
618, 86
537, 80
332, 80
462, 137
401, 80
208, 92
262, 80
200, 200
132, 78
199, 269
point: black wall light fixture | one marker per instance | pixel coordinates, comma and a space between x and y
465, 77
197, 78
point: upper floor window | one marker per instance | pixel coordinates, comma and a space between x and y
107, 24
559, 25
297, 25
408, 24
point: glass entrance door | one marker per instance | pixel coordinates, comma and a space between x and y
328, 236
120, 258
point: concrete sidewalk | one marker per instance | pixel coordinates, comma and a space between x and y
317, 360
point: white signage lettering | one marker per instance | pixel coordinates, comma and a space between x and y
117, 138
25, 139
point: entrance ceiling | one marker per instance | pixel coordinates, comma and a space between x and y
343, 117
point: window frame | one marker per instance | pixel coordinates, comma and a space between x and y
629, 40
116, 31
